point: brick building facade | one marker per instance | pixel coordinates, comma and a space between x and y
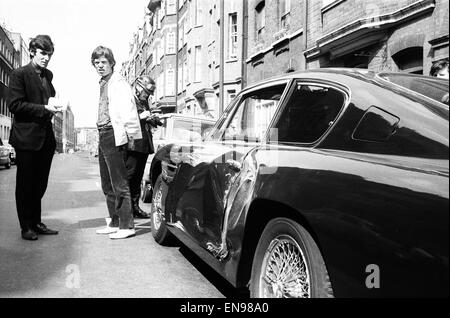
275, 38
403, 35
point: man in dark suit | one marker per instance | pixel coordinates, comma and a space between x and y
31, 101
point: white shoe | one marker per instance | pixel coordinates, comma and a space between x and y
108, 230
121, 234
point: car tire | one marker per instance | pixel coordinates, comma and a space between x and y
8, 165
146, 191
284, 240
158, 224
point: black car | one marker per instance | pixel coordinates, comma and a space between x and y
322, 183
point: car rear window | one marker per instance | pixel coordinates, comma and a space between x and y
436, 89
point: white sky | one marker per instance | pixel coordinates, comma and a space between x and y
77, 27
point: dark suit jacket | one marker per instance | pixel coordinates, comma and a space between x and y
144, 145
27, 97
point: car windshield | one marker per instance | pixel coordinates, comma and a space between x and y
436, 89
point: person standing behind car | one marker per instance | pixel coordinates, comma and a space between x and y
137, 158
439, 69
31, 101
119, 127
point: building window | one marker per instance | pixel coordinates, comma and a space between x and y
260, 20
186, 73
158, 19
285, 13
198, 14
171, 43
233, 36
171, 7
170, 84
198, 64
163, 10
410, 60
180, 77
180, 34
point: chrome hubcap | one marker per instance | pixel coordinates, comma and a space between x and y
284, 273
157, 215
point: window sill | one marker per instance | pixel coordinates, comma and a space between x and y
331, 5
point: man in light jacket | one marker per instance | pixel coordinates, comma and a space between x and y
118, 126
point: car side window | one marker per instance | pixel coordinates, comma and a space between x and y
310, 111
253, 115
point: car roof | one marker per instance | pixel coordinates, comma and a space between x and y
356, 73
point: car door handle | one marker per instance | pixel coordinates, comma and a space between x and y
234, 165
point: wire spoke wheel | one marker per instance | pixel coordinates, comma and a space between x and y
157, 215
284, 271
159, 227
287, 263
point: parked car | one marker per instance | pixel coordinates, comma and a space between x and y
175, 128
12, 152
322, 183
5, 155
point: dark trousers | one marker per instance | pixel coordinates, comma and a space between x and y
136, 162
114, 177
33, 169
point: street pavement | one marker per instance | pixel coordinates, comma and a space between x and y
78, 262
